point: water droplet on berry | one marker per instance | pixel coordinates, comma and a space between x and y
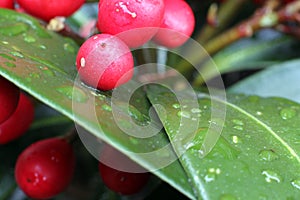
287, 113
82, 62
268, 155
73, 93
271, 176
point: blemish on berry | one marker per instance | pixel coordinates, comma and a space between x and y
103, 45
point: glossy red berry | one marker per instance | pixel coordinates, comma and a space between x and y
9, 98
122, 182
117, 17
178, 24
48, 9
7, 4
45, 168
19, 122
104, 62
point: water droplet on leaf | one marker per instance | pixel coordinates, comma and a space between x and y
287, 113
268, 155
176, 106
106, 107
271, 176
184, 114
227, 197
73, 93
296, 183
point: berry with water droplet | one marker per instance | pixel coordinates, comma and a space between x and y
104, 62
45, 168
134, 21
9, 98
48, 9
19, 122
120, 174
178, 24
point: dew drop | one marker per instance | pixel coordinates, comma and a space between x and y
69, 48
17, 54
238, 122
235, 139
176, 106
184, 114
296, 183
268, 155
271, 176
240, 128
133, 140
106, 107
46, 71
209, 177
41, 46
35, 75
259, 113
287, 113
195, 110
29, 39
73, 93
82, 62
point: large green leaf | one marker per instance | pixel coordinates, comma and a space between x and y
252, 53
257, 153
281, 80
42, 63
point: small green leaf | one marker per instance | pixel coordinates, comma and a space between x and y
280, 80
257, 151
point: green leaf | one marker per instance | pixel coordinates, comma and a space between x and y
41, 62
252, 53
257, 151
284, 79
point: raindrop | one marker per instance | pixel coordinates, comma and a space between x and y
259, 113
135, 114
184, 114
73, 93
195, 110
209, 177
106, 107
35, 75
133, 140
235, 139
29, 38
238, 122
17, 54
240, 128
41, 46
176, 106
287, 113
268, 155
271, 176
47, 71
296, 183
69, 48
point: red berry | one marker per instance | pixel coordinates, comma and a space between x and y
45, 168
104, 62
19, 122
48, 9
178, 24
7, 4
117, 16
9, 98
122, 182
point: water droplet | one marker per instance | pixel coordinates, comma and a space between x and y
240, 128
271, 176
4, 42
235, 139
9, 64
47, 71
268, 155
195, 110
209, 177
73, 93
69, 48
184, 114
17, 54
133, 140
287, 113
238, 122
176, 106
259, 113
125, 9
106, 107
41, 46
296, 183
35, 75
29, 38
227, 197
136, 114
82, 62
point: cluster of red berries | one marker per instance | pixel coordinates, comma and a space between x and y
105, 61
